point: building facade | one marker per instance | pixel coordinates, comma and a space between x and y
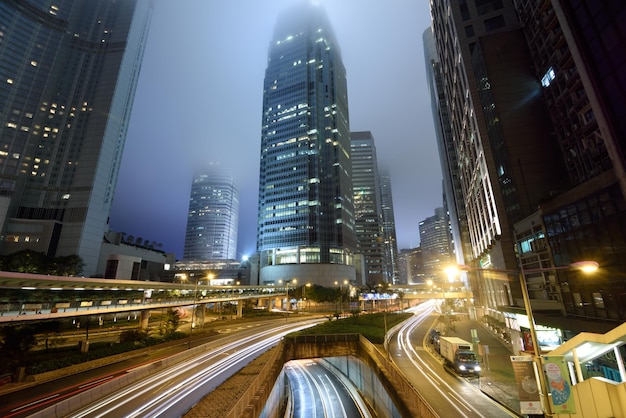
451, 180
524, 80
213, 217
411, 266
305, 226
577, 51
368, 218
68, 74
498, 126
436, 244
389, 229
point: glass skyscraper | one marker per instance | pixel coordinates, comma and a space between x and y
368, 218
305, 227
68, 73
213, 216
389, 228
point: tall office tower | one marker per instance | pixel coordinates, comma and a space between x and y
435, 242
368, 219
389, 229
305, 227
411, 266
213, 216
578, 57
68, 73
498, 126
451, 183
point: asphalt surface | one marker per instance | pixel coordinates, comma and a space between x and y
497, 379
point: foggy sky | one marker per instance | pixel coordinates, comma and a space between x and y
199, 100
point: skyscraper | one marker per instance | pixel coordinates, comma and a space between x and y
451, 181
305, 227
519, 81
389, 228
490, 102
68, 73
435, 243
368, 218
213, 216
578, 59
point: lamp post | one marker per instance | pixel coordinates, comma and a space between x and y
305, 297
193, 311
584, 266
340, 296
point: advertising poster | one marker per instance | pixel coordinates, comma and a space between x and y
526, 385
558, 384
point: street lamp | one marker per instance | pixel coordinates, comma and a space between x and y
294, 281
193, 311
305, 297
584, 266
340, 310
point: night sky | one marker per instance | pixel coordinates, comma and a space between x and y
199, 99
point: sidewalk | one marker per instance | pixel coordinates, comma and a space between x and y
497, 379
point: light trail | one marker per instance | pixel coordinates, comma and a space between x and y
319, 391
454, 398
183, 385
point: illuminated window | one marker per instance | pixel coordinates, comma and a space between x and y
547, 78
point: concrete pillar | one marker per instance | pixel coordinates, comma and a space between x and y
143, 322
240, 309
200, 310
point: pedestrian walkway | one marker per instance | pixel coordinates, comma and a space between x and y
497, 379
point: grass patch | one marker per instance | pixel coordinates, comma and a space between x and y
371, 326
53, 359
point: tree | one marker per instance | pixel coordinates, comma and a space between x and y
69, 265
26, 261
15, 343
172, 321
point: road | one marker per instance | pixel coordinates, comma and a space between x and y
178, 388
449, 394
317, 392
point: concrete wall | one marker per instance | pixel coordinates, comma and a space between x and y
404, 397
367, 382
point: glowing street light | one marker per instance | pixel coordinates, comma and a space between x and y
305, 297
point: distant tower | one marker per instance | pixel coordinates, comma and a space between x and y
435, 243
389, 228
411, 266
305, 227
213, 216
68, 73
368, 218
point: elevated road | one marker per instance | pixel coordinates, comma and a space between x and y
40, 297
36, 297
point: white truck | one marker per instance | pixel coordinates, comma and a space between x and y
459, 356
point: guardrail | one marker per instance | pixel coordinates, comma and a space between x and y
28, 311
